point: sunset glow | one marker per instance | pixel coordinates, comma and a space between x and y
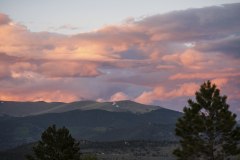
160, 59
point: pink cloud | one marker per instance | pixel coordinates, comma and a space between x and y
161, 93
4, 71
69, 69
4, 19
119, 96
189, 58
48, 96
148, 97
220, 82
207, 75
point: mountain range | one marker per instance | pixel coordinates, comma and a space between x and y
23, 122
20, 109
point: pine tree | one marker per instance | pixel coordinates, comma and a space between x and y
207, 130
56, 144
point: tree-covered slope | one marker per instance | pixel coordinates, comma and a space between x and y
97, 125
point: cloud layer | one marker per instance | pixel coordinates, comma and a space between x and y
161, 59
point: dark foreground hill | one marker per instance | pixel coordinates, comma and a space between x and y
117, 150
96, 125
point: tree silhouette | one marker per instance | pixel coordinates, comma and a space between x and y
207, 130
56, 144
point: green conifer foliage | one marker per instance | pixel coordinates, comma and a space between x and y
56, 144
207, 130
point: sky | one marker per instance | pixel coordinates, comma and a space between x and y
76, 16
151, 52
